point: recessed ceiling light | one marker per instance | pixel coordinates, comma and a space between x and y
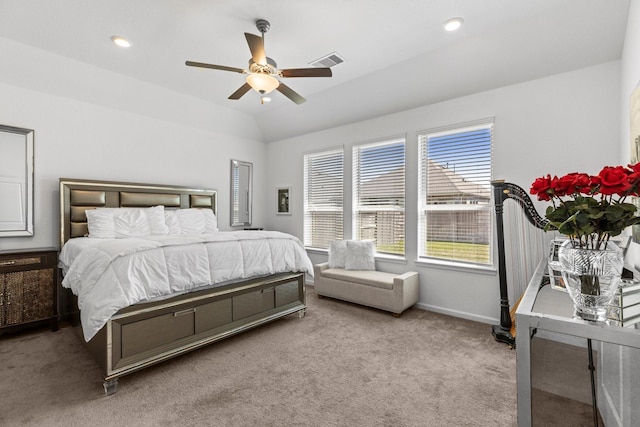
453, 24
120, 41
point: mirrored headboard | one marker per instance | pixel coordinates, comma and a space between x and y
77, 196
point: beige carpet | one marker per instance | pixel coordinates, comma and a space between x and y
341, 365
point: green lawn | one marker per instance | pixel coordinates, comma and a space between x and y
471, 252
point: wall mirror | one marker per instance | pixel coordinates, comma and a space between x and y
16, 181
241, 177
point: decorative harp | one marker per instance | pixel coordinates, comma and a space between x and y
501, 192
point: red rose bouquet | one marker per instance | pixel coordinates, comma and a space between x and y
590, 209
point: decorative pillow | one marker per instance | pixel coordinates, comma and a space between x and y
100, 224
126, 222
171, 219
130, 223
337, 252
157, 224
210, 221
360, 255
190, 222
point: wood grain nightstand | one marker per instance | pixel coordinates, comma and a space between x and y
28, 289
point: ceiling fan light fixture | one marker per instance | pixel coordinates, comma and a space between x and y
453, 24
262, 83
264, 99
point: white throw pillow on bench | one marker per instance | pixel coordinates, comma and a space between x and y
360, 255
337, 253
352, 255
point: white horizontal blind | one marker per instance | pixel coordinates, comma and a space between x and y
379, 194
323, 198
455, 194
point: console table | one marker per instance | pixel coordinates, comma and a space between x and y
544, 308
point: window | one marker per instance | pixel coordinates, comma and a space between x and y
323, 198
378, 195
455, 194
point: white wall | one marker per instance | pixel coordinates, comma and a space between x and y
630, 74
94, 124
564, 123
630, 78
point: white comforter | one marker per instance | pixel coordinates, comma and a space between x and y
110, 274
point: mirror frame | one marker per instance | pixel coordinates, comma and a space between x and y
236, 167
25, 227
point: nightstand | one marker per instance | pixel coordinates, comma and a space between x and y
28, 289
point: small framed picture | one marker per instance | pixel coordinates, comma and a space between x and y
284, 201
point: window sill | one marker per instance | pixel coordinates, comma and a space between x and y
456, 266
317, 251
391, 259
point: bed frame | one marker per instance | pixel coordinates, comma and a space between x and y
148, 333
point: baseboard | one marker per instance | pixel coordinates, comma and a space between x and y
456, 313
449, 312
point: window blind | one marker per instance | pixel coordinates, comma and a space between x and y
379, 194
323, 198
455, 194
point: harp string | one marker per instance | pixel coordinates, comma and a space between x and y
525, 244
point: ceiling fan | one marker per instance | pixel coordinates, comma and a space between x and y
263, 73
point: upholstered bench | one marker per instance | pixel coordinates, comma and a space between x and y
385, 291
357, 280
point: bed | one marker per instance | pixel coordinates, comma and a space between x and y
153, 278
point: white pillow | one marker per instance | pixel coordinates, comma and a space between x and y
126, 222
157, 225
100, 224
172, 222
190, 222
210, 221
130, 223
360, 255
337, 252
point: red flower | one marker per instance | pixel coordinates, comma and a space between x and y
613, 180
542, 187
635, 168
634, 178
590, 221
572, 183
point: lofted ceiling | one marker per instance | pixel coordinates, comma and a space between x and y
397, 55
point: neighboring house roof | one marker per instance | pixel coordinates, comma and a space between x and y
389, 185
444, 182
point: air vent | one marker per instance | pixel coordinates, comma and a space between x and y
328, 60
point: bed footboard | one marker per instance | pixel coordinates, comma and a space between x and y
146, 334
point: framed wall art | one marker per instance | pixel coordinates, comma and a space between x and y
284, 201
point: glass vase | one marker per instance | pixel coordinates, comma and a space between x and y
591, 277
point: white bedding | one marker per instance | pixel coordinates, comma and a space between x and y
109, 274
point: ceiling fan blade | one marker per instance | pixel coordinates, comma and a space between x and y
256, 46
241, 91
290, 93
306, 72
214, 67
